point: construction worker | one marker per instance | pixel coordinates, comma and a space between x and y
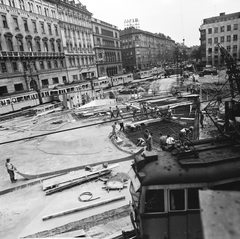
10, 170
169, 112
141, 142
118, 112
121, 124
170, 141
149, 141
114, 133
162, 140
111, 113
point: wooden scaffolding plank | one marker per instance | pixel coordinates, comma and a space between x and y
70, 177
73, 210
76, 182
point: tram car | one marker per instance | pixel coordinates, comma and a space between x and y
19, 101
148, 73
165, 186
108, 82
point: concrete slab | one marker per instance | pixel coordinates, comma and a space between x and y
69, 199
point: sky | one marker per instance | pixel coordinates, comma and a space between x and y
178, 19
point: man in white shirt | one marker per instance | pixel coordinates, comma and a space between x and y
170, 142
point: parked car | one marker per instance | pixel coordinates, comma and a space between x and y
209, 71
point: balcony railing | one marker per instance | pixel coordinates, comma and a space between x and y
21, 54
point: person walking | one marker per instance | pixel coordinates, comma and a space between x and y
111, 113
10, 170
118, 112
121, 124
114, 131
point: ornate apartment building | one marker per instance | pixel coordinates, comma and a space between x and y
31, 53
223, 29
107, 48
77, 39
44, 43
142, 49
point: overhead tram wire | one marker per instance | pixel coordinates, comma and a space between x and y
80, 127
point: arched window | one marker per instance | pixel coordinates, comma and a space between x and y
67, 46
59, 47
29, 45
45, 46
38, 46
53, 46
71, 47
9, 44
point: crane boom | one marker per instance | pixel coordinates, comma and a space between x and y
233, 71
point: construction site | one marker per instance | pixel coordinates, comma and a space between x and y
73, 179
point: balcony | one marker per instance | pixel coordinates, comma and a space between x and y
31, 55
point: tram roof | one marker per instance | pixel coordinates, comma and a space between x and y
215, 163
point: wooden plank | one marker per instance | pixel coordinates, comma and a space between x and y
70, 177
72, 234
76, 182
73, 210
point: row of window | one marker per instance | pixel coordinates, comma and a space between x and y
85, 61
25, 66
30, 48
222, 28
177, 200
216, 49
106, 32
32, 26
108, 43
223, 38
67, 33
30, 7
69, 47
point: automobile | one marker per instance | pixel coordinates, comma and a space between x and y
210, 71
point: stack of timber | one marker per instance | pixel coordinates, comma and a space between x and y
69, 180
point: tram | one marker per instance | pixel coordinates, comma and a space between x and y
149, 73
22, 100
165, 186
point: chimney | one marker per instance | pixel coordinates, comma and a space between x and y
222, 14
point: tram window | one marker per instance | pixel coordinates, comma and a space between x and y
193, 198
8, 102
177, 201
154, 201
19, 99
3, 102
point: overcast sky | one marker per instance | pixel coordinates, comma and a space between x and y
175, 18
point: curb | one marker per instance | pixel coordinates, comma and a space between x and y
50, 174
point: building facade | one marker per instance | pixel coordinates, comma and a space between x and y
142, 50
223, 29
77, 39
31, 52
107, 48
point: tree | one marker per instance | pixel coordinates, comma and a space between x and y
196, 54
